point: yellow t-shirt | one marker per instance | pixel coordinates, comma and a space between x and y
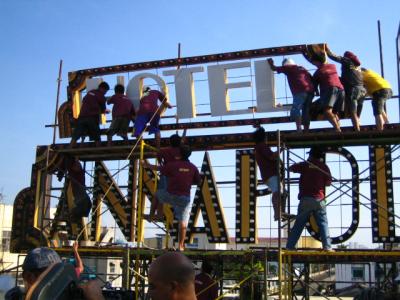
374, 82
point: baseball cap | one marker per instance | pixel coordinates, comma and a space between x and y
353, 57
40, 258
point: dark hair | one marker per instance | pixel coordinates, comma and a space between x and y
317, 152
119, 89
259, 135
185, 152
206, 267
104, 85
175, 140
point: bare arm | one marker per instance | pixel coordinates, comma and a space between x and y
79, 263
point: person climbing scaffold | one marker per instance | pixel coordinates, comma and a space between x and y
150, 112
181, 175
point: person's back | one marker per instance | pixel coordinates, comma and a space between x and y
149, 102
326, 76
314, 177
374, 82
182, 174
123, 106
93, 104
299, 78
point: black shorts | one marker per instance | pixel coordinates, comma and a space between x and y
119, 125
87, 126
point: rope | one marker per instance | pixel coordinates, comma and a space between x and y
127, 158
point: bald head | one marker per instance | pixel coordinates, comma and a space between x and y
171, 277
173, 266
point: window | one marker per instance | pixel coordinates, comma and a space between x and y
5, 241
112, 267
357, 272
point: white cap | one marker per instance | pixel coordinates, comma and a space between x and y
288, 62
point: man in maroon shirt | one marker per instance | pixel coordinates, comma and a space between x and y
72, 169
181, 174
314, 177
149, 111
93, 105
267, 162
206, 287
331, 89
302, 88
164, 156
122, 113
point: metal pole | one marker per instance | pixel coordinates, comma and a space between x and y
57, 100
380, 48
279, 215
398, 64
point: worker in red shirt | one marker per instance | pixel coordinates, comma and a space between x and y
164, 156
302, 88
93, 105
331, 89
181, 175
122, 113
315, 176
206, 287
149, 111
267, 161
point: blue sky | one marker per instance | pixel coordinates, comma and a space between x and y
35, 35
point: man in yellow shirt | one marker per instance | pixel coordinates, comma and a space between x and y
380, 90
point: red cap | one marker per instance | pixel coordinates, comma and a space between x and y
353, 58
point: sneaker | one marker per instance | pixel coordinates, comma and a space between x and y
287, 217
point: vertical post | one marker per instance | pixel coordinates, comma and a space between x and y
279, 216
125, 272
380, 48
139, 222
398, 65
307, 280
265, 273
57, 101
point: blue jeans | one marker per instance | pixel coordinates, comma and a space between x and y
301, 106
308, 206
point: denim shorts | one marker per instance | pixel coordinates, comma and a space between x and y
274, 184
378, 100
162, 183
354, 98
301, 102
330, 96
180, 204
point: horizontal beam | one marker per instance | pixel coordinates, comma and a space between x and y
291, 139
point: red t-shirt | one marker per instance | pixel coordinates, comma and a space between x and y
326, 76
181, 175
93, 104
122, 107
314, 178
202, 281
149, 103
299, 79
266, 161
166, 155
